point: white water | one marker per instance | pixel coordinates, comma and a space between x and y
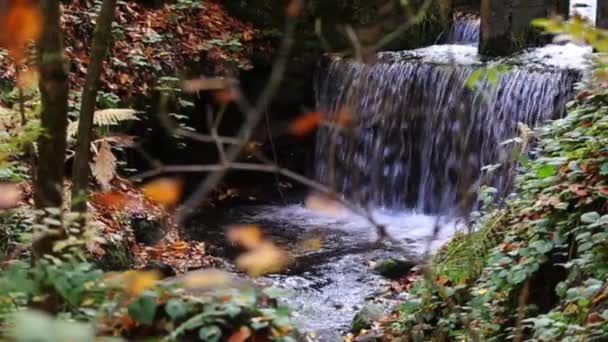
413, 229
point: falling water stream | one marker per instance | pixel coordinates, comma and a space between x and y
400, 157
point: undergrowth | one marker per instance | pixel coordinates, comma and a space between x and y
537, 269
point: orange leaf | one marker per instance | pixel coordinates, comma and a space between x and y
22, 23
165, 191
248, 236
240, 336
305, 124
323, 204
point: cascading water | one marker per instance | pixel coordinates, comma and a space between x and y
465, 30
418, 126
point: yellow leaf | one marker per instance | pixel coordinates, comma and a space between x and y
166, 191
312, 244
264, 259
248, 236
136, 282
210, 278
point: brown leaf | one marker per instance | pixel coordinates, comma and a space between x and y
104, 165
305, 124
579, 190
240, 336
165, 191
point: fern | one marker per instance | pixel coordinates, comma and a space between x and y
106, 117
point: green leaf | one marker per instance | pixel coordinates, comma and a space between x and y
210, 334
590, 217
542, 246
176, 308
143, 309
546, 171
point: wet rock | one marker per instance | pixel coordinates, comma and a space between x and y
148, 230
394, 268
366, 317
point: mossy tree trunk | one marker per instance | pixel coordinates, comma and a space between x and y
101, 43
53, 117
48, 183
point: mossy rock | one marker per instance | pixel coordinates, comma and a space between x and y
366, 317
148, 230
394, 268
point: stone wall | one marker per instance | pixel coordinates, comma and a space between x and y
505, 24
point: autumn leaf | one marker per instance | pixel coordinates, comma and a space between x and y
112, 199
136, 282
165, 191
264, 259
104, 165
241, 335
210, 278
248, 236
324, 204
10, 195
305, 124
22, 23
294, 8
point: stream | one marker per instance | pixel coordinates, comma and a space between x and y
326, 287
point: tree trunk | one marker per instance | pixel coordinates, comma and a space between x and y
101, 42
53, 117
48, 184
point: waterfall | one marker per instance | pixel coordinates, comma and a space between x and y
413, 118
465, 30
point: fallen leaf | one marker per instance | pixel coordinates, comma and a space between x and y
266, 258
112, 199
305, 124
241, 335
344, 117
312, 244
443, 280
248, 236
28, 79
165, 191
10, 195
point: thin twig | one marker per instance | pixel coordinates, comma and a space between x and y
252, 118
